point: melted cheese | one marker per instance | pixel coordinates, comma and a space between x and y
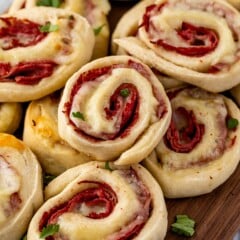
93, 99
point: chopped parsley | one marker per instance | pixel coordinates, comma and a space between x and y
49, 3
124, 92
232, 123
78, 115
183, 226
48, 27
49, 230
98, 30
107, 166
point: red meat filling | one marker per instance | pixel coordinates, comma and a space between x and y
19, 33
200, 40
184, 132
27, 73
101, 195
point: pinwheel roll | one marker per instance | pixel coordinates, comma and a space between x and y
93, 202
193, 41
236, 94
114, 108
10, 117
200, 149
41, 135
40, 48
20, 187
95, 12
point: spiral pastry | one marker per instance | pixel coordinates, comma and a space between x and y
40, 48
114, 108
236, 94
94, 11
93, 202
200, 149
193, 41
40, 133
10, 117
19, 197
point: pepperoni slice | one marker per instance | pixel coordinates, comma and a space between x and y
28, 73
102, 195
201, 40
184, 133
19, 33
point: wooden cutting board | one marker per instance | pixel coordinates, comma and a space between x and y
217, 214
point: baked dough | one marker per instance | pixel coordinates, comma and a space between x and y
95, 12
33, 63
114, 108
10, 117
236, 94
185, 40
40, 133
235, 3
199, 152
93, 202
20, 187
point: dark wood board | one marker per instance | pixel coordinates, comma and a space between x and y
217, 214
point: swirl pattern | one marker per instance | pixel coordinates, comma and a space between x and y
19, 197
60, 42
94, 201
114, 108
200, 149
185, 40
93, 10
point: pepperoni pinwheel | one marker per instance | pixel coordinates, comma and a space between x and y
114, 108
200, 149
193, 41
40, 133
94, 11
19, 197
40, 48
92, 201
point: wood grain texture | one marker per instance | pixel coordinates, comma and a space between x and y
217, 214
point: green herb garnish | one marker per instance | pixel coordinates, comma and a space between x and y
98, 29
47, 178
124, 92
49, 230
49, 3
48, 27
232, 123
78, 115
107, 166
183, 226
